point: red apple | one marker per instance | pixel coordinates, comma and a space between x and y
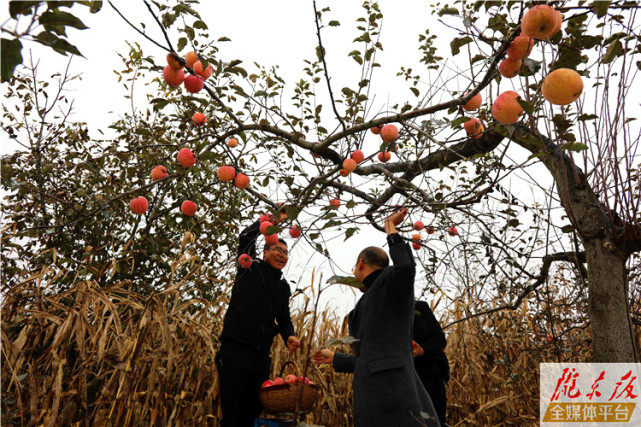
159, 172
199, 119
562, 86
139, 205
241, 181
343, 172
416, 246
295, 232
188, 208
474, 102
291, 379
418, 225
540, 22
266, 217
186, 158
245, 261
232, 142
474, 128
358, 156
452, 231
278, 381
510, 67
194, 84
416, 237
226, 173
266, 384
384, 156
349, 165
264, 225
520, 47
271, 239
430, 230
174, 78
334, 203
389, 133
375, 130
506, 108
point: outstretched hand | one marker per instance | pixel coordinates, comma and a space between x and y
394, 219
292, 343
323, 355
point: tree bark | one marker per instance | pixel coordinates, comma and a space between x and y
609, 312
608, 308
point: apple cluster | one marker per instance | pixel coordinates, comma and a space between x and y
175, 76
288, 380
418, 226
560, 87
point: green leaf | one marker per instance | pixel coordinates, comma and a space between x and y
614, 49
415, 91
292, 212
224, 39
334, 23
200, 25
350, 232
182, 42
530, 67
527, 106
584, 117
168, 19
457, 122
600, 8
567, 228
95, 6
448, 11
346, 280
21, 8
11, 57
57, 18
457, 43
59, 45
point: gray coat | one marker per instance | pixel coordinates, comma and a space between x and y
387, 389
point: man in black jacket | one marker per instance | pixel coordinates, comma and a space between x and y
258, 310
387, 390
429, 358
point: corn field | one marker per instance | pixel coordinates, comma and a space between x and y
94, 356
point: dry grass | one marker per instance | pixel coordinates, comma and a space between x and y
95, 356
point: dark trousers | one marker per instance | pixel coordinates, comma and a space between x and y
435, 387
241, 371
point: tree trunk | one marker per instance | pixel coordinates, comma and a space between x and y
608, 308
612, 332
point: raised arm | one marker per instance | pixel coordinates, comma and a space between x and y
404, 268
247, 240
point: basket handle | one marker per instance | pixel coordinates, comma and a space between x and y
290, 362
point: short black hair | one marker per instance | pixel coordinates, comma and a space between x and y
267, 247
374, 256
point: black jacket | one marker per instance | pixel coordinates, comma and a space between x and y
429, 335
259, 304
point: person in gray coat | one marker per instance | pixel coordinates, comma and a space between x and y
387, 389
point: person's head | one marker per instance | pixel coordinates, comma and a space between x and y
276, 255
370, 259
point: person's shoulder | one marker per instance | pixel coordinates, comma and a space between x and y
421, 305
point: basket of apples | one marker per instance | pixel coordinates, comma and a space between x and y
293, 393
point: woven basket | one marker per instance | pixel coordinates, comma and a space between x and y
279, 399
